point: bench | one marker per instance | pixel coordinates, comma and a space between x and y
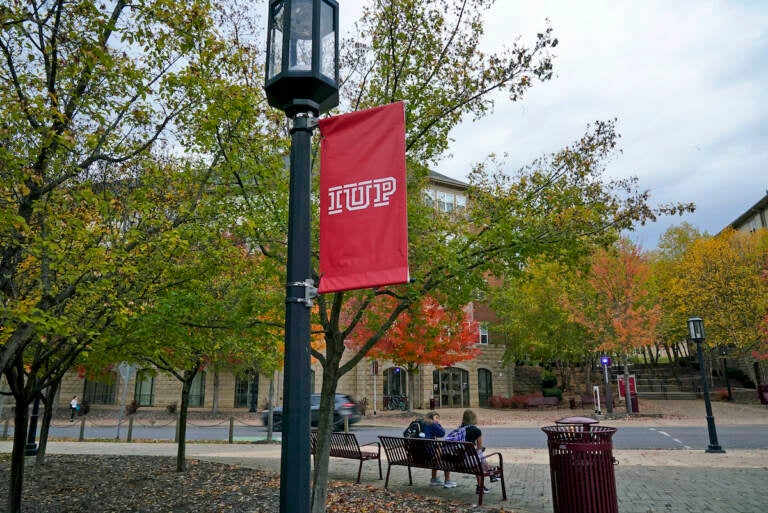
344, 445
541, 401
459, 457
587, 400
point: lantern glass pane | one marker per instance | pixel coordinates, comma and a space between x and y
327, 41
696, 328
301, 35
274, 63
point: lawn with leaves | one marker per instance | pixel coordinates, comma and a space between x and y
146, 484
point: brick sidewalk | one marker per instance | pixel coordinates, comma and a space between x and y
673, 481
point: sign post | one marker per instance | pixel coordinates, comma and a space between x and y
606, 362
126, 371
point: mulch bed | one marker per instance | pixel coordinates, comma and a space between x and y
147, 484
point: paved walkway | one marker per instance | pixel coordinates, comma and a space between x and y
647, 481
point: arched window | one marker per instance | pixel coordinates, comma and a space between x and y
394, 381
484, 386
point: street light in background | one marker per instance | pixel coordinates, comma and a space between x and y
724, 350
696, 331
302, 79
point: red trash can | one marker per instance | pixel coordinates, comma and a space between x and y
581, 466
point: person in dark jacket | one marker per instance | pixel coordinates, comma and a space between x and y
433, 429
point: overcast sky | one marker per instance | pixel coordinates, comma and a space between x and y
687, 81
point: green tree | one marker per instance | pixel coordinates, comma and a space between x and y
534, 320
93, 93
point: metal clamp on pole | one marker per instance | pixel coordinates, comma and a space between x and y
310, 292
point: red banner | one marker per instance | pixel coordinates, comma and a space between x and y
363, 204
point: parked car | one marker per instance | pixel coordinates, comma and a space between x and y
345, 407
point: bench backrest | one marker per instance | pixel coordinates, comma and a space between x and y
426, 453
340, 443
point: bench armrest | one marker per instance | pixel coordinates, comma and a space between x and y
501, 458
377, 444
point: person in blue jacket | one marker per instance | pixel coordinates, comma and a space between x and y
433, 429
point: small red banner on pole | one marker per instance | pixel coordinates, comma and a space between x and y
363, 202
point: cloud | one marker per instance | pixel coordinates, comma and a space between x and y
687, 80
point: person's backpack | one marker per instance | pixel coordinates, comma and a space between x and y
457, 435
414, 430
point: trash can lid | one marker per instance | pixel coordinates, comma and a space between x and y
577, 420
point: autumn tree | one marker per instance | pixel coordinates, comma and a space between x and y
619, 311
673, 244
719, 279
426, 334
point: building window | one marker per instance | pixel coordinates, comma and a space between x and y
445, 202
484, 387
461, 202
483, 333
429, 197
247, 391
100, 392
394, 381
144, 393
197, 391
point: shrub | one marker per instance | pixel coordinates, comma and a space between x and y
496, 401
518, 401
548, 379
553, 392
721, 394
171, 408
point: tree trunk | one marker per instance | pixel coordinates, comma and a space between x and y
215, 402
45, 425
186, 385
16, 485
511, 374
270, 407
324, 429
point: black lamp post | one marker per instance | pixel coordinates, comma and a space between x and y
724, 354
302, 77
696, 331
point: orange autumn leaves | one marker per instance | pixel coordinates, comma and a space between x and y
426, 334
617, 308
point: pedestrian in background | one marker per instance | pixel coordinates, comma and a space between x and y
74, 405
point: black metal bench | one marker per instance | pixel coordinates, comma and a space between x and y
459, 457
344, 445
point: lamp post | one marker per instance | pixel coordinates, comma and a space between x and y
724, 354
696, 331
302, 77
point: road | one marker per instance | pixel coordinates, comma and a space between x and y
680, 437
